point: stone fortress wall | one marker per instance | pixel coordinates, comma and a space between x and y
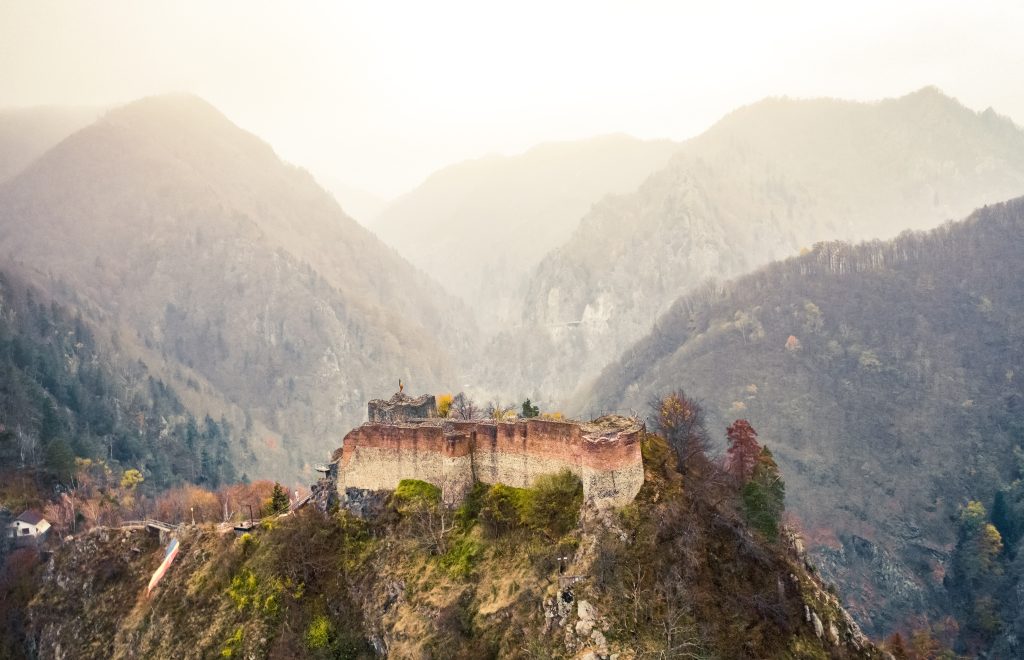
452, 454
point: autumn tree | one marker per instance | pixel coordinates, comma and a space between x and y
444, 405
764, 496
744, 452
680, 420
978, 544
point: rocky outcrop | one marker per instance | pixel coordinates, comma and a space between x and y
401, 408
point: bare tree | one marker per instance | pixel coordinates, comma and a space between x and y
464, 407
28, 447
680, 420
433, 521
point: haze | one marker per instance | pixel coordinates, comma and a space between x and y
379, 95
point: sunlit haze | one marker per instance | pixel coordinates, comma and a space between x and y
378, 95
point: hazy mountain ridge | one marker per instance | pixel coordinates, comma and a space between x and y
480, 226
27, 133
884, 376
169, 221
764, 182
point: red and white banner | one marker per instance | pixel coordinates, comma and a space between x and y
172, 552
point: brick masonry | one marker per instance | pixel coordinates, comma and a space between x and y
451, 454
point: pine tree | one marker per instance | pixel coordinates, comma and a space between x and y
530, 410
764, 496
1005, 519
279, 499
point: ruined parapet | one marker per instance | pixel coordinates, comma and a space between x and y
453, 454
324, 493
401, 408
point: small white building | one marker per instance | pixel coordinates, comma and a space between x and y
29, 527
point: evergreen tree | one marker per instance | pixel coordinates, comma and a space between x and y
764, 496
1006, 519
279, 499
530, 410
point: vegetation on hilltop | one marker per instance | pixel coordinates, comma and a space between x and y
509, 572
887, 378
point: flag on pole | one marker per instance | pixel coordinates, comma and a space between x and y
172, 552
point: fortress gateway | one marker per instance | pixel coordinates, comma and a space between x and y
405, 439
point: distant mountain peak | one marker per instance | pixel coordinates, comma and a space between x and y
178, 103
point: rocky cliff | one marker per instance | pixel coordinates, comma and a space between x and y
674, 574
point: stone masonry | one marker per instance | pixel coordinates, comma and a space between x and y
453, 454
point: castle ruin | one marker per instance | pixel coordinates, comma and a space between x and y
399, 442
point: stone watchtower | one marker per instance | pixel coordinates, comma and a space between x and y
401, 408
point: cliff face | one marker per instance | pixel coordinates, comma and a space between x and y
453, 455
674, 573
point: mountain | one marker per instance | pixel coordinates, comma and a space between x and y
229, 273
62, 398
679, 574
765, 182
481, 226
27, 133
358, 204
885, 377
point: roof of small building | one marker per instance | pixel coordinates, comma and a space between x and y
31, 517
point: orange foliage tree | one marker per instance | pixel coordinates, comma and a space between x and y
744, 450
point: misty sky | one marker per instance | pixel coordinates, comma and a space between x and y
379, 94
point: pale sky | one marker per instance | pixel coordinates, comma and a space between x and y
380, 94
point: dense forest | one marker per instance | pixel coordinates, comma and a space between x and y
887, 376
62, 398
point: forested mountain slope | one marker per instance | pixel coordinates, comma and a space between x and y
885, 376
481, 226
766, 181
210, 259
62, 397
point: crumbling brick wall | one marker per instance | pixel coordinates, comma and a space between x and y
454, 454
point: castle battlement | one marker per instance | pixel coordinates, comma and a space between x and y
453, 454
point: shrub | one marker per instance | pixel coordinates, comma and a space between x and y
232, 644
318, 633
461, 557
504, 508
469, 511
554, 506
414, 491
